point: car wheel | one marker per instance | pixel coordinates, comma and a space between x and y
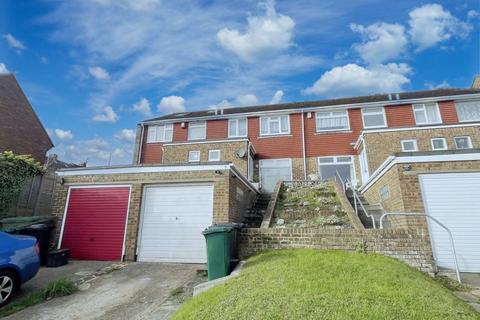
8, 283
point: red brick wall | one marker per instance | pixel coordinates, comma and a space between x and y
448, 112
180, 134
333, 143
151, 152
287, 146
217, 129
400, 116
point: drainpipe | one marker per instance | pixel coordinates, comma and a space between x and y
303, 149
139, 158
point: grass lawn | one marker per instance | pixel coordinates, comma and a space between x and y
313, 284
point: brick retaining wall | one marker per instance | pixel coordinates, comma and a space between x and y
410, 246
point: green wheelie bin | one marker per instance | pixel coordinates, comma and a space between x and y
221, 249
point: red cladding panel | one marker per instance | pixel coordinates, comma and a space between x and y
95, 223
400, 116
180, 134
448, 111
217, 129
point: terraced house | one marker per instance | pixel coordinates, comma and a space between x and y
414, 152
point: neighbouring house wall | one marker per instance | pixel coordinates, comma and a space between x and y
405, 191
380, 145
410, 246
178, 153
241, 198
222, 210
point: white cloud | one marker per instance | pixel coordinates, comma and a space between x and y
247, 100
13, 42
352, 79
63, 134
107, 115
431, 24
44, 60
99, 73
472, 14
381, 42
3, 69
126, 135
142, 107
277, 97
443, 84
264, 34
171, 104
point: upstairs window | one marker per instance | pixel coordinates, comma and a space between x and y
463, 143
439, 144
427, 113
274, 125
374, 118
197, 130
332, 120
409, 145
468, 111
163, 133
237, 128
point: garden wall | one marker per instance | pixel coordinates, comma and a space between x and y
410, 246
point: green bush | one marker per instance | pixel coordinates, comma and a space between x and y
15, 170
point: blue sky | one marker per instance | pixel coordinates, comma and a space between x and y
93, 69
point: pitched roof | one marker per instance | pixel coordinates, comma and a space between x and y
324, 103
20, 129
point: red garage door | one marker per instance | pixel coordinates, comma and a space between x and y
94, 228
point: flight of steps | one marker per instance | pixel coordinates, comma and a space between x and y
254, 216
374, 210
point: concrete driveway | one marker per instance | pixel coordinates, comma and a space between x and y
138, 291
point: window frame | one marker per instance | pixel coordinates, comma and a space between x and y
318, 130
167, 126
376, 113
210, 153
458, 113
190, 155
444, 143
237, 135
269, 119
195, 124
470, 145
409, 140
353, 176
424, 109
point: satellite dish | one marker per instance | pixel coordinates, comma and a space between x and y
240, 153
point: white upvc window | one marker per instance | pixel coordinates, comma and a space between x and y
463, 142
275, 125
333, 167
468, 110
194, 156
409, 145
197, 130
374, 117
427, 113
237, 128
332, 120
163, 133
213, 155
439, 143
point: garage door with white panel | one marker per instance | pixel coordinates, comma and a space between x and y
453, 199
173, 218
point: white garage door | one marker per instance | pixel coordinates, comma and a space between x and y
453, 199
173, 219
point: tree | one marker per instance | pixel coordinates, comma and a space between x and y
15, 170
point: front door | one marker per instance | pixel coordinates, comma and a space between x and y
272, 171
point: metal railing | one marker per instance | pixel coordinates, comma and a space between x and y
457, 271
356, 199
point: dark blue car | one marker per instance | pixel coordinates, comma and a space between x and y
19, 262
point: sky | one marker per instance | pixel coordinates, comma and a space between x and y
93, 69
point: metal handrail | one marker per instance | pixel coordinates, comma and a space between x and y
355, 199
439, 223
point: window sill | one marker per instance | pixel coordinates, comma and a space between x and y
275, 135
333, 131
